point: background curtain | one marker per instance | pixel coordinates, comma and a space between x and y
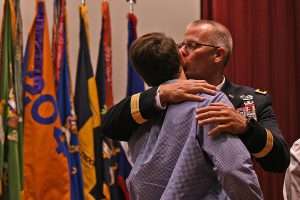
266, 35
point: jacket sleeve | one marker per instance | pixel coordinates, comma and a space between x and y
127, 115
265, 141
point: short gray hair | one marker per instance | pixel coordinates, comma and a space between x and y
219, 36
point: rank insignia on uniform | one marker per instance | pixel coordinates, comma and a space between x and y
260, 91
246, 97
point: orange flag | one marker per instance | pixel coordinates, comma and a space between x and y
46, 173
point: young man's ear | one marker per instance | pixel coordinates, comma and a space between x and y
220, 55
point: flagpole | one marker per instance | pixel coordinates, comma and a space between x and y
131, 2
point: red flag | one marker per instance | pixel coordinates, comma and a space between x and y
106, 28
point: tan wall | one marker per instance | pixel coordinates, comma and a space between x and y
169, 16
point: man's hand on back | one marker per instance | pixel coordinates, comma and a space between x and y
225, 116
185, 90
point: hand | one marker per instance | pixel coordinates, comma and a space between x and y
185, 90
225, 116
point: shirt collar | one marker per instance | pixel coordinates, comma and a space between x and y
220, 86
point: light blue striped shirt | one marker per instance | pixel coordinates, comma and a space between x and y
176, 159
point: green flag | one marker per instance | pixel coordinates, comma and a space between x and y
11, 183
18, 52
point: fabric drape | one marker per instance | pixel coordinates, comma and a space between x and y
266, 40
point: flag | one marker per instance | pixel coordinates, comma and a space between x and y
104, 66
46, 174
107, 53
64, 94
109, 156
10, 114
87, 109
134, 85
134, 82
19, 84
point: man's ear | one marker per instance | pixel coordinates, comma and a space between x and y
220, 55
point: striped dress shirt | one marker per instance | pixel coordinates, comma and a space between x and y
174, 158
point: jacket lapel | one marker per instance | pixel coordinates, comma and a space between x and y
228, 89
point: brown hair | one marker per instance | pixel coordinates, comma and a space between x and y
155, 57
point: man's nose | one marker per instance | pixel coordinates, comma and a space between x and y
183, 51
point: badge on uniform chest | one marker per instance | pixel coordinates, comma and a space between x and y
248, 109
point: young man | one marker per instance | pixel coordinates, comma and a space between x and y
174, 158
206, 49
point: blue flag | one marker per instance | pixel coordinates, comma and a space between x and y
134, 85
134, 82
65, 99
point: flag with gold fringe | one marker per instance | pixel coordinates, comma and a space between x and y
46, 174
87, 109
64, 94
